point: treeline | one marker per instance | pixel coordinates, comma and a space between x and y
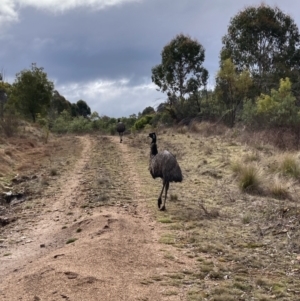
257, 85
258, 82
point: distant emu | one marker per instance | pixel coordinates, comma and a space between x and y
120, 129
163, 165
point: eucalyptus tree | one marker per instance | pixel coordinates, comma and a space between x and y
231, 89
148, 110
32, 92
180, 73
83, 108
59, 103
265, 41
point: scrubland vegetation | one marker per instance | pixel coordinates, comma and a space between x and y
236, 215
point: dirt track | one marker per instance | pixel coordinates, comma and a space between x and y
115, 255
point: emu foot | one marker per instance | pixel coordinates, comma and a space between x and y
159, 203
163, 208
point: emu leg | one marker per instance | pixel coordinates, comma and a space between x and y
163, 208
159, 198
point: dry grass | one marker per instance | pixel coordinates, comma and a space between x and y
279, 138
237, 238
249, 177
242, 246
289, 166
279, 187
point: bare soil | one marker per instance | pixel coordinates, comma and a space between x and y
78, 241
85, 225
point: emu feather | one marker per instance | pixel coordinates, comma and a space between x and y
165, 166
120, 129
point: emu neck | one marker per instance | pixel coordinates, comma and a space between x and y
153, 149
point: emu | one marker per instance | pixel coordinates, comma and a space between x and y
163, 165
120, 129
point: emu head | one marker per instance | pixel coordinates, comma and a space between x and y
153, 137
153, 147
119, 120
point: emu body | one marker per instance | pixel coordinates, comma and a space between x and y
163, 165
120, 129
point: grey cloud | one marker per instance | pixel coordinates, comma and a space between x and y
126, 37
83, 45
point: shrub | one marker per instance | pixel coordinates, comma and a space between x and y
66, 124
279, 108
249, 114
9, 125
61, 123
80, 125
141, 123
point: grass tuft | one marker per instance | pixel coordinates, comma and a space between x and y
279, 189
167, 239
70, 240
165, 220
289, 166
246, 219
249, 179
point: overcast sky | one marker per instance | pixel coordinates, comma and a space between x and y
102, 51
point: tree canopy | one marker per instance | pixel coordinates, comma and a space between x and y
231, 89
32, 92
148, 110
59, 103
83, 109
266, 42
181, 71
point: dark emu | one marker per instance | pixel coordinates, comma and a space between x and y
120, 129
163, 165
